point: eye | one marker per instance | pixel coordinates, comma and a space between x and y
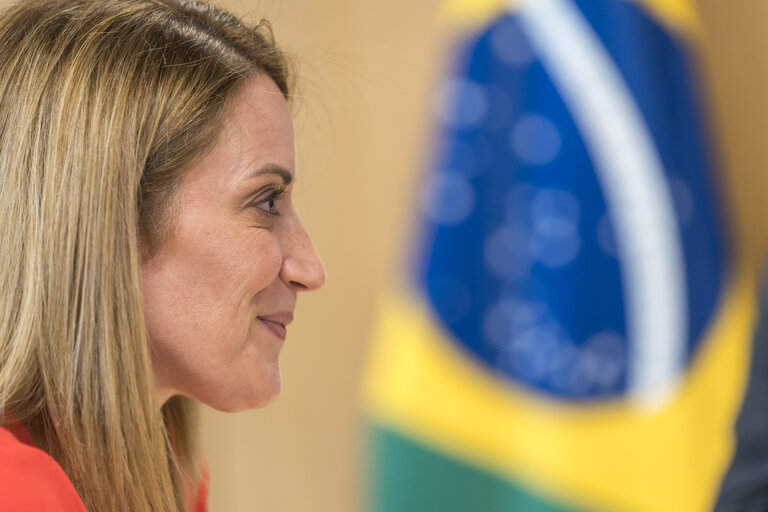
268, 204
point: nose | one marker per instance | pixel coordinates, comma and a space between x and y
302, 268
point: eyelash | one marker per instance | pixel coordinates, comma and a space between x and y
274, 196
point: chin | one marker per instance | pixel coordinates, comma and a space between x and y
256, 398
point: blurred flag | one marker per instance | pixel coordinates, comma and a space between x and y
574, 334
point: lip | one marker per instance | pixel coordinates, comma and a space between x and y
277, 323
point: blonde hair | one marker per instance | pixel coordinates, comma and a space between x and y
103, 104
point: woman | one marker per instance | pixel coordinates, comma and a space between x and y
150, 251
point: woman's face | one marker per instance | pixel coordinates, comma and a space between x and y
221, 289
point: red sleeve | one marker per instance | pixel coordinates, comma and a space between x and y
31, 481
201, 500
198, 501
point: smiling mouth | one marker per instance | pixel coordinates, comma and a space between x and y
278, 328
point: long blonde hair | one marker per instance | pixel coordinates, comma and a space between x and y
103, 104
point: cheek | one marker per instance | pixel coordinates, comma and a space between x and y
210, 282
228, 272
201, 296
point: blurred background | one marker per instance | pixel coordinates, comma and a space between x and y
372, 81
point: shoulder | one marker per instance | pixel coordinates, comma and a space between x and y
30, 480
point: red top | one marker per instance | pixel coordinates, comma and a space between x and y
31, 481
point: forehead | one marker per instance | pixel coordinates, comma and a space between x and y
257, 132
257, 128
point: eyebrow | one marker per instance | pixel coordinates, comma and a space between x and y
286, 176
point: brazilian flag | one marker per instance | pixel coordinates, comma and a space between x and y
573, 332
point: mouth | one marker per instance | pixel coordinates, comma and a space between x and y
277, 323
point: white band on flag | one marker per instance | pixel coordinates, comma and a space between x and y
631, 175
